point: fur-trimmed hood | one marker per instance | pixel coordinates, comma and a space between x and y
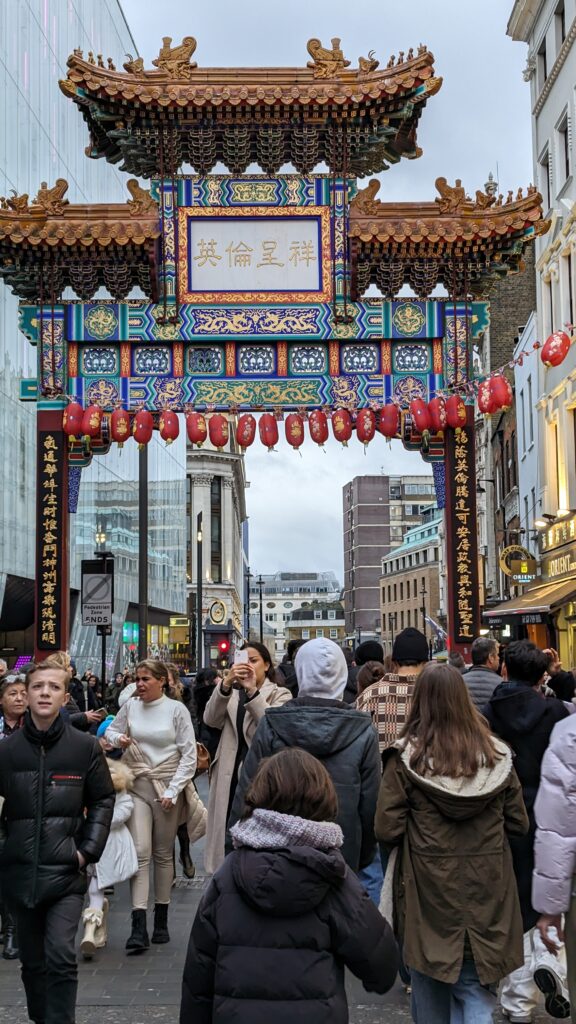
122, 776
461, 798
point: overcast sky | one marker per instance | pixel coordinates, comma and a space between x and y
478, 122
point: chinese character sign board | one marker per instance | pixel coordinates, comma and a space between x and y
461, 537
51, 510
254, 255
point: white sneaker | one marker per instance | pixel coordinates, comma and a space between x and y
555, 994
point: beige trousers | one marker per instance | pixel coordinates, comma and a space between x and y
154, 832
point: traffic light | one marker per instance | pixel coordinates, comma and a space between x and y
223, 647
222, 642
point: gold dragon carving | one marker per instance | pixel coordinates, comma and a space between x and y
326, 63
176, 60
453, 198
51, 200
365, 202
142, 201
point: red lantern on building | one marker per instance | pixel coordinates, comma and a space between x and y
196, 428
294, 430
72, 420
143, 427
455, 412
555, 349
268, 429
390, 420
420, 415
218, 430
342, 426
91, 422
365, 425
486, 398
169, 426
318, 424
437, 411
501, 392
120, 426
245, 430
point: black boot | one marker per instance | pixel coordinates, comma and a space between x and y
160, 934
10, 951
138, 940
185, 858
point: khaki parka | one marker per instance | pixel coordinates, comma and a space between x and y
454, 886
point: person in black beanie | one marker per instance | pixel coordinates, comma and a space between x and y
389, 699
369, 650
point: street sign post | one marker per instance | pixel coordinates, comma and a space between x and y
97, 595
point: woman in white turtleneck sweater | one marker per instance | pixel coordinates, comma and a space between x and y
160, 748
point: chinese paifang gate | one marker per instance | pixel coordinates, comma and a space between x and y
254, 283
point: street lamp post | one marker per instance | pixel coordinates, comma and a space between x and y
104, 555
423, 594
260, 585
199, 570
143, 553
247, 577
391, 625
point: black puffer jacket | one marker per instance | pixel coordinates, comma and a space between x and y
272, 936
524, 718
346, 742
59, 800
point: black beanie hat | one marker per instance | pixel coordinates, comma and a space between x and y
369, 650
410, 645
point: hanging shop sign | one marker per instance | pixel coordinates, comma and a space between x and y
462, 538
51, 499
518, 561
257, 254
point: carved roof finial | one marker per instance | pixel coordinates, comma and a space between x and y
326, 63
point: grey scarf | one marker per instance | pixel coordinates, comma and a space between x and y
270, 830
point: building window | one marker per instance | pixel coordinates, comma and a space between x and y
216, 529
395, 595
389, 593
560, 25
522, 423
319, 633
564, 149
401, 620
424, 556
530, 412
269, 617
317, 615
407, 590
401, 591
544, 182
333, 634
331, 615
408, 623
513, 470
305, 634
542, 65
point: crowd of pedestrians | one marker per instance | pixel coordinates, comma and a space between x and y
384, 815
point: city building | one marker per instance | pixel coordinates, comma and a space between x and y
317, 619
378, 510
216, 488
546, 396
409, 584
280, 594
42, 139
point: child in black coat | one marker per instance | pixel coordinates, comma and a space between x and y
284, 914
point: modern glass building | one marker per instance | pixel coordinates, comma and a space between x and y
42, 137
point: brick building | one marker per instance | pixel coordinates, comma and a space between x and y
410, 583
317, 619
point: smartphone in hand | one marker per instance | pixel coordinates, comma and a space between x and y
240, 657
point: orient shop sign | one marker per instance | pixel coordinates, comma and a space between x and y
52, 508
559, 565
254, 254
461, 536
518, 563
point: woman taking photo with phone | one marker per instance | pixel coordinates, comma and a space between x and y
236, 707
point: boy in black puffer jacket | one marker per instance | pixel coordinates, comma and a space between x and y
58, 804
284, 915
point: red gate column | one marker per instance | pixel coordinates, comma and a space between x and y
52, 593
462, 537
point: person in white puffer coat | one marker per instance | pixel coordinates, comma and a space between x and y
118, 863
553, 889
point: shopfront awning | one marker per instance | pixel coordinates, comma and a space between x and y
533, 606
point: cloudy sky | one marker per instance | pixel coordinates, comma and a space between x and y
478, 122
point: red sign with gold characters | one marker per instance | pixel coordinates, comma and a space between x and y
51, 500
461, 537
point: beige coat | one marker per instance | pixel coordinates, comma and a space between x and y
220, 713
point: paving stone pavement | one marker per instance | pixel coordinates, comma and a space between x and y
116, 989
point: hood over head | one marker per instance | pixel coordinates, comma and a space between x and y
517, 708
288, 882
321, 669
461, 798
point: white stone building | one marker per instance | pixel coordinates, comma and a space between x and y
285, 592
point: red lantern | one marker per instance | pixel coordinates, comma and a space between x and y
501, 392
318, 425
218, 430
294, 429
196, 428
342, 426
120, 426
420, 415
437, 411
365, 425
486, 402
91, 422
555, 349
72, 420
268, 429
169, 426
390, 420
455, 412
143, 427
245, 430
